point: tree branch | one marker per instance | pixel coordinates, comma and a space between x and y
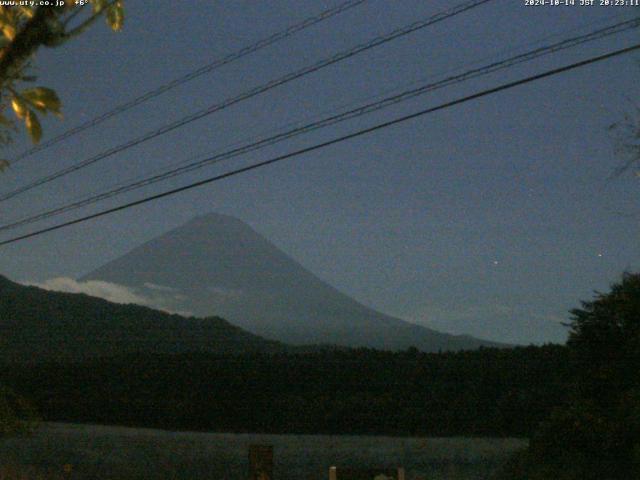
87, 23
36, 32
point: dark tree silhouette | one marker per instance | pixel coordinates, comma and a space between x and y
596, 434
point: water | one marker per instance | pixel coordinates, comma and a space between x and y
105, 452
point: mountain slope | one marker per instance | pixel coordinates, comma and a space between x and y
37, 324
216, 264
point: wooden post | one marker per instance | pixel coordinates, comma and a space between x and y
260, 462
333, 475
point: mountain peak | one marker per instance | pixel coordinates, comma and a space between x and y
218, 265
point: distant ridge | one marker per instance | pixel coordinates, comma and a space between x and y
40, 325
218, 265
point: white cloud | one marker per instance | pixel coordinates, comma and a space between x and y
225, 293
160, 288
115, 293
109, 291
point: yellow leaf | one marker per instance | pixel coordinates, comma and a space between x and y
9, 31
33, 126
7, 16
115, 16
3, 165
26, 11
42, 98
19, 107
99, 5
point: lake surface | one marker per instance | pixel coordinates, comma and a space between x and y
106, 452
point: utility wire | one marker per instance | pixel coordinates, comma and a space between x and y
232, 57
380, 126
369, 97
252, 93
353, 113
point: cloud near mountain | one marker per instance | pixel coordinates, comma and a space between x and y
156, 296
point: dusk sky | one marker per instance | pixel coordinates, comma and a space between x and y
491, 218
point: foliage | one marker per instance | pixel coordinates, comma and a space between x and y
16, 414
596, 433
23, 30
488, 392
605, 341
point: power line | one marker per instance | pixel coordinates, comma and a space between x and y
252, 93
334, 119
368, 97
325, 144
232, 57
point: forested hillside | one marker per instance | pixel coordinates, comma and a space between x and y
485, 392
40, 325
83, 359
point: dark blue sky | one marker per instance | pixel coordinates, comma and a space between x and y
491, 218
